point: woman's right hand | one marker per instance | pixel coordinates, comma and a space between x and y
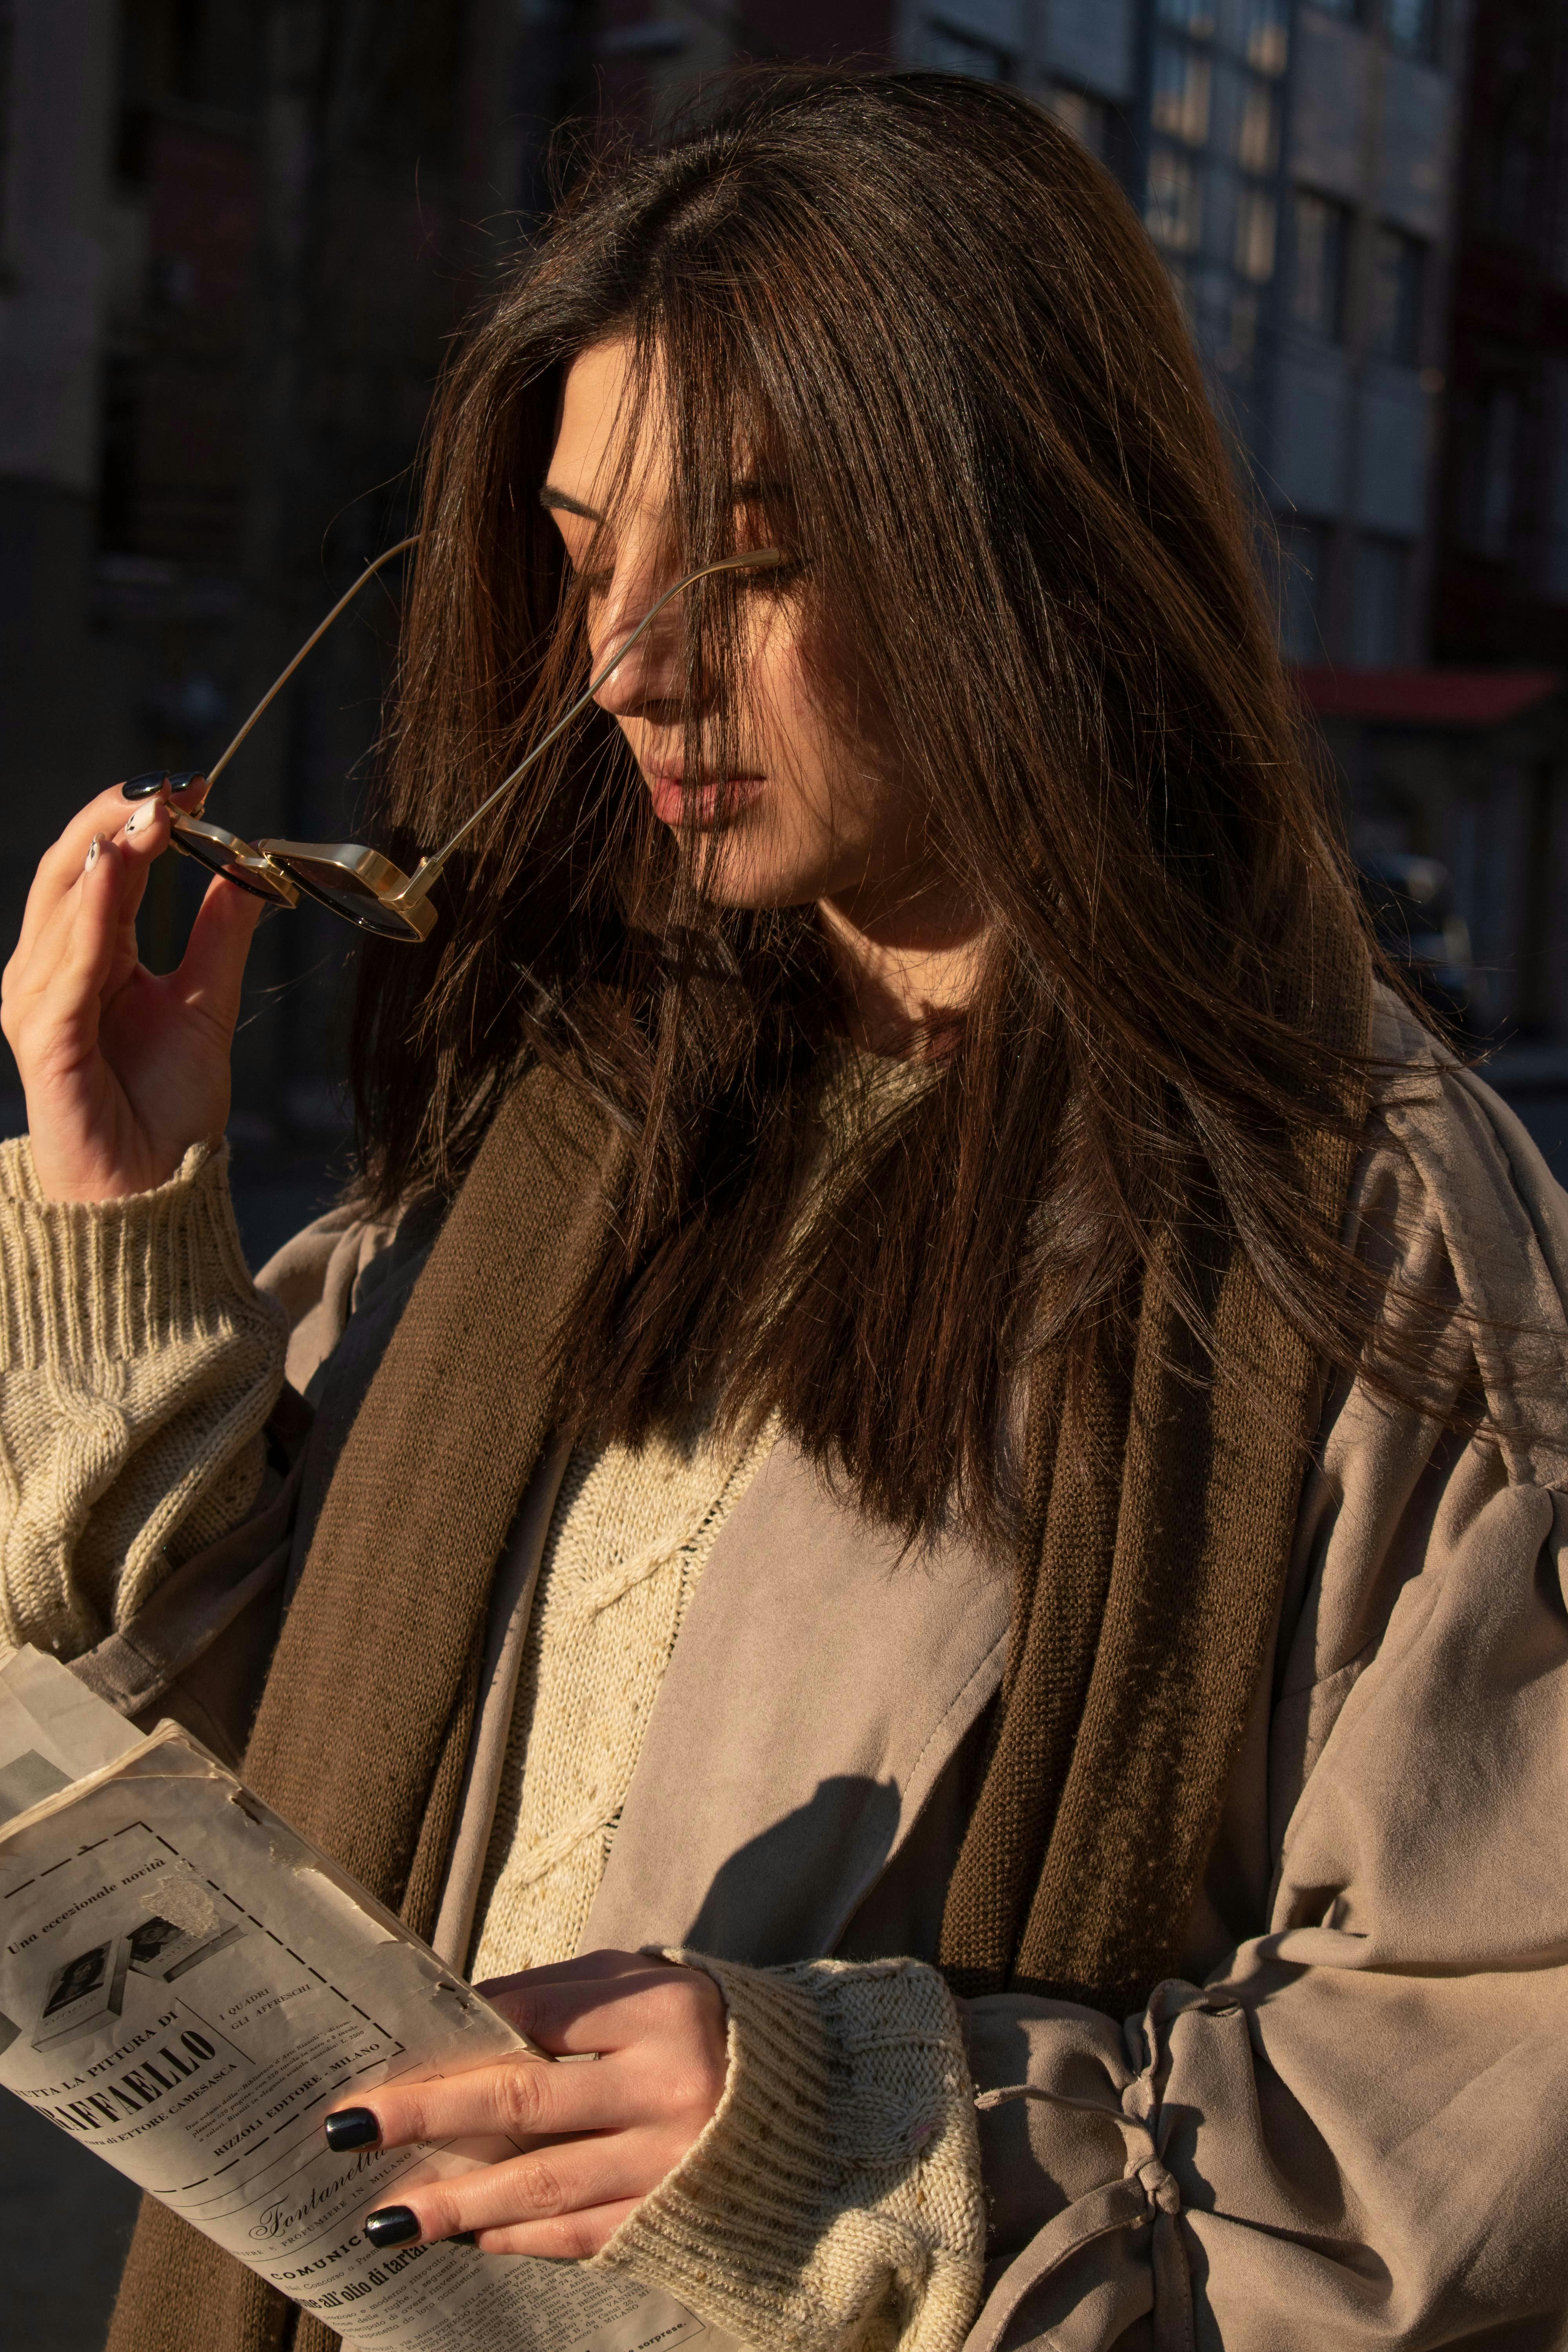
123, 1070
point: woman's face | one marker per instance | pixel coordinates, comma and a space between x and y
800, 814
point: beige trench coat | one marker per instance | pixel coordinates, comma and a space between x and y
1344, 2124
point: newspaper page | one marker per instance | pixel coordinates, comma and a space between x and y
187, 1986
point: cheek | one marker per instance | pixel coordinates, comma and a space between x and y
806, 837
817, 826
812, 768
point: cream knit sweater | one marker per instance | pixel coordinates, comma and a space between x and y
630, 1537
834, 2201
138, 1365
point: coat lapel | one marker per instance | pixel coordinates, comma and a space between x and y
821, 1683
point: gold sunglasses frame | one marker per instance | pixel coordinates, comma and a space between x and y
283, 871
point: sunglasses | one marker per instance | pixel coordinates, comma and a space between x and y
344, 877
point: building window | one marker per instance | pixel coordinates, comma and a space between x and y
1180, 111
1242, 347
1398, 285
1181, 283
7, 102
1088, 118
1323, 245
1195, 17
1515, 147
1257, 134
1181, 102
1303, 557
1377, 617
1412, 26
1554, 564
948, 50
1490, 447
1255, 234
1500, 462
1267, 36
1175, 209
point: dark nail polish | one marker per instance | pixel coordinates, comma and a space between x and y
393, 2225
150, 783
352, 2127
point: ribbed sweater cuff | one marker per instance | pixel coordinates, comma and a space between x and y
83, 1283
837, 2186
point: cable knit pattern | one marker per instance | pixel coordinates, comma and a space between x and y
834, 2203
138, 1365
629, 1537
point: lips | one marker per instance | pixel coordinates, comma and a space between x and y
705, 805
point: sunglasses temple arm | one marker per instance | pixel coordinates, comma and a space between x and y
276, 688
429, 867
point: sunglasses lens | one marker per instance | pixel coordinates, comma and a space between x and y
336, 887
218, 859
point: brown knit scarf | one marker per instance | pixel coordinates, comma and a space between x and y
1158, 1538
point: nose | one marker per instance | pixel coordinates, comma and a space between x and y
652, 674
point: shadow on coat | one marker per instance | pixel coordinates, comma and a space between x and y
767, 1905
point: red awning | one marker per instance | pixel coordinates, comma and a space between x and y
1427, 698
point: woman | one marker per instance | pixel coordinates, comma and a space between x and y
931, 1512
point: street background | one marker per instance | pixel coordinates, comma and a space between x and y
237, 235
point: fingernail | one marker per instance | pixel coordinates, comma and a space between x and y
93, 852
352, 2127
392, 2225
152, 781
132, 822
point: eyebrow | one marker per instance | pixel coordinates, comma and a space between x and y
562, 502
557, 502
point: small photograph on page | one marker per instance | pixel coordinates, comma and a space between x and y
162, 1947
84, 1993
25, 1782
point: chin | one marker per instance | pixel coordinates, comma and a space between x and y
756, 891
736, 872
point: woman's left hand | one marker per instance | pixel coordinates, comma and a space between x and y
594, 2139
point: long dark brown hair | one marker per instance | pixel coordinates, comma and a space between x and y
939, 329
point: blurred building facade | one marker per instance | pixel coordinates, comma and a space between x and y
1297, 166
235, 235
1502, 578
1468, 767
1469, 763
235, 240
